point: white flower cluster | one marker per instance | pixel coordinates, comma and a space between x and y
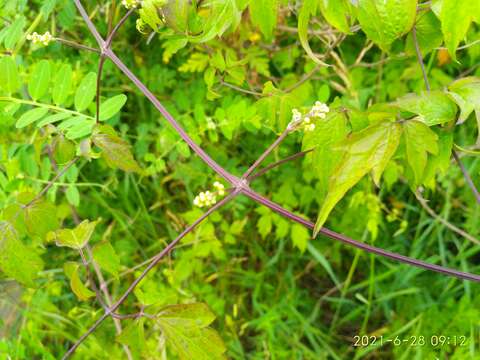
209, 198
44, 39
131, 3
318, 110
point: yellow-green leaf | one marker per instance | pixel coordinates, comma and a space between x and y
106, 257
336, 12
76, 238
419, 140
86, 91
115, 150
16, 259
111, 107
456, 17
308, 9
30, 117
39, 80
9, 79
78, 287
62, 84
433, 108
364, 151
384, 21
41, 218
264, 15
186, 330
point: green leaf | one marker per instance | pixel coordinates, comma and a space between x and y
148, 13
52, 119
64, 150
17, 260
308, 9
76, 238
466, 93
9, 79
39, 80
111, 107
364, 151
300, 237
385, 21
325, 157
14, 33
133, 335
186, 330
440, 162
86, 91
105, 256
336, 12
456, 17
264, 15
428, 36
31, 116
62, 84
73, 195
82, 292
419, 140
433, 108
115, 150
41, 218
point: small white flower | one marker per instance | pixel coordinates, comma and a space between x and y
319, 110
219, 188
44, 39
130, 3
210, 124
309, 127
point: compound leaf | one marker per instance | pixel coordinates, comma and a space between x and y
39, 80
75, 238
112, 106
86, 91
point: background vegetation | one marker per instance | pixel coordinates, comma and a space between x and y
231, 72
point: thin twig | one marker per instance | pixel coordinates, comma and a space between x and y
278, 163
267, 152
445, 222
467, 176
77, 45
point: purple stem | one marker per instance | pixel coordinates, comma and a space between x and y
278, 163
368, 248
156, 260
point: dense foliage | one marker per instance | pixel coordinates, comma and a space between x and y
378, 101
